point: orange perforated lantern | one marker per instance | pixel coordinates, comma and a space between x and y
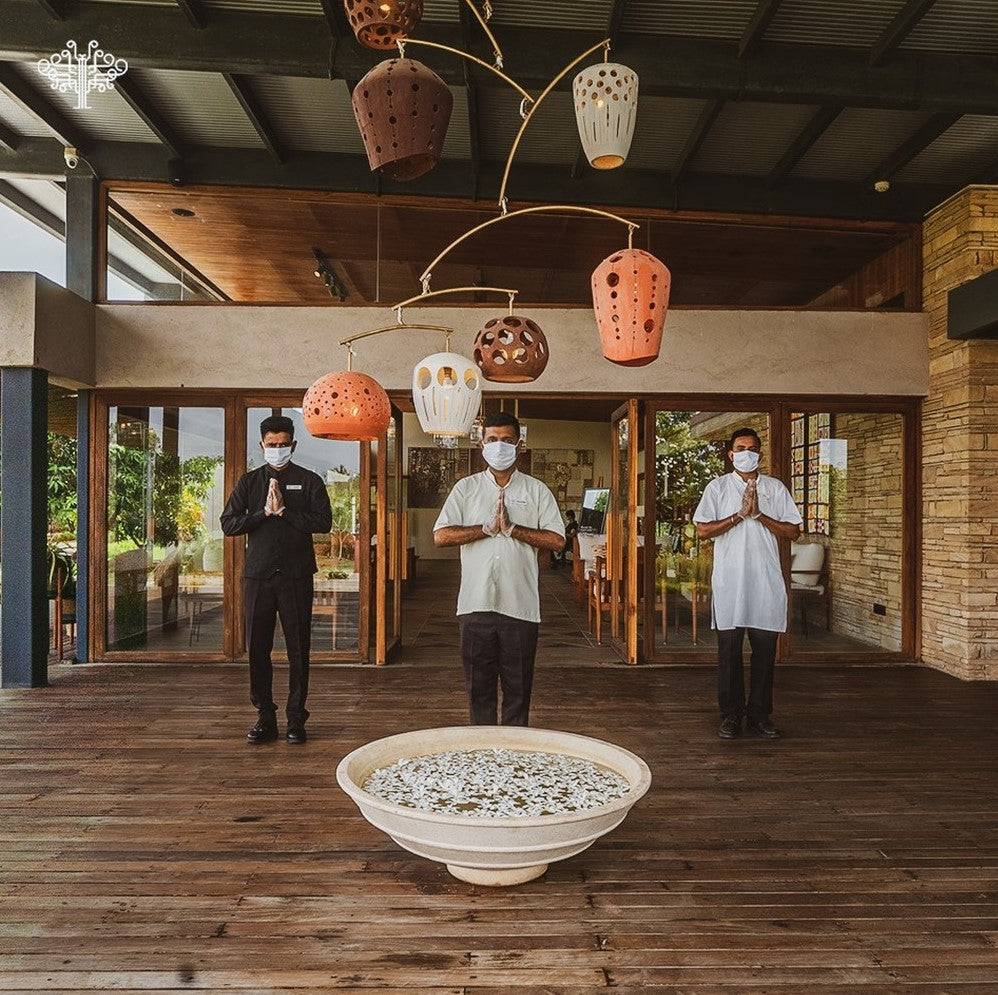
630, 299
346, 405
402, 109
381, 23
511, 350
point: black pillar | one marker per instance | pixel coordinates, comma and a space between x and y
82, 527
24, 527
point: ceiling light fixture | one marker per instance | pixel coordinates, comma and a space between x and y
325, 272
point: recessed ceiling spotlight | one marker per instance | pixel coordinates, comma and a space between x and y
882, 186
182, 212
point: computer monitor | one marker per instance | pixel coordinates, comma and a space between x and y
595, 502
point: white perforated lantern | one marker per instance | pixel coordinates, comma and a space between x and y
446, 393
606, 107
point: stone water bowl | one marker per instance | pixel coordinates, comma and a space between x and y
501, 850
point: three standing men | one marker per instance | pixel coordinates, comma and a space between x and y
500, 518
745, 512
278, 506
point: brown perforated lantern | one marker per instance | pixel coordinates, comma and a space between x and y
346, 405
381, 23
402, 109
511, 349
630, 298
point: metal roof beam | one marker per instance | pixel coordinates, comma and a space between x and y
54, 8
8, 139
468, 29
810, 133
247, 43
336, 19
754, 31
194, 12
627, 188
895, 33
918, 142
696, 138
257, 116
40, 108
614, 20
155, 122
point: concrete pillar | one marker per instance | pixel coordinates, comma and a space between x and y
960, 449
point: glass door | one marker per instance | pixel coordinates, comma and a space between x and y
624, 552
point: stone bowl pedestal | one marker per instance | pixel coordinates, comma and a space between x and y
491, 851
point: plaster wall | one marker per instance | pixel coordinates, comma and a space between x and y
46, 326
809, 352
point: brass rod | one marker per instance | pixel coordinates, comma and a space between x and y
496, 50
453, 290
605, 43
524, 210
464, 55
395, 328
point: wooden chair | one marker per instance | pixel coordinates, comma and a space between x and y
578, 570
326, 602
809, 579
598, 597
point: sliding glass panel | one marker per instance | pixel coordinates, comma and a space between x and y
846, 570
336, 607
164, 544
690, 450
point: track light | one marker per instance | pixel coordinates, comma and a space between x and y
325, 272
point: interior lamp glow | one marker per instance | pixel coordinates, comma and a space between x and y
347, 405
446, 394
606, 109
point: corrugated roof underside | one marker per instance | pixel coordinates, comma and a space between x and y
309, 115
551, 137
723, 19
750, 137
663, 125
957, 26
20, 121
857, 141
200, 107
284, 7
850, 23
967, 148
591, 14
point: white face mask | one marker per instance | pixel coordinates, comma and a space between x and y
277, 457
745, 460
499, 455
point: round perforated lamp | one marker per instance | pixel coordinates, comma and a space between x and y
346, 405
381, 23
446, 393
511, 349
606, 107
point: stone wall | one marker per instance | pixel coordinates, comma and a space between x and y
959, 445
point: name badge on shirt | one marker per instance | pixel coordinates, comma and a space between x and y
293, 487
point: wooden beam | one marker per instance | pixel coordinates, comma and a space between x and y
696, 138
32, 102
811, 132
900, 27
252, 108
917, 143
143, 106
755, 30
194, 12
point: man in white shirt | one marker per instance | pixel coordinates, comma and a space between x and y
500, 518
745, 513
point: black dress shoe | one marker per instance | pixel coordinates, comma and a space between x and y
296, 733
764, 728
731, 726
265, 731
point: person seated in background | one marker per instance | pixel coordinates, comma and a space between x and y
571, 531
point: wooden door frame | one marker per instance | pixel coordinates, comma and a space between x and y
623, 575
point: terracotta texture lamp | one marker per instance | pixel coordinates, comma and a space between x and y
606, 107
446, 393
402, 109
346, 405
381, 23
630, 299
511, 349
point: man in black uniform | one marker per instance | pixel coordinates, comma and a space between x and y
278, 507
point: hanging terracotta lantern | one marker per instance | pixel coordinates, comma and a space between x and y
511, 350
402, 109
630, 298
346, 405
606, 107
446, 393
381, 23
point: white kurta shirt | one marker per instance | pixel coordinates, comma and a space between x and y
500, 574
748, 585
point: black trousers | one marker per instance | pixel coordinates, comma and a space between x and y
264, 600
731, 678
498, 650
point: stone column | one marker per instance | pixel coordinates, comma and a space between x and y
960, 449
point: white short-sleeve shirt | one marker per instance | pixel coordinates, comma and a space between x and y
499, 574
748, 585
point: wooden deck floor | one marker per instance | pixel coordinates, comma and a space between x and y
145, 847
